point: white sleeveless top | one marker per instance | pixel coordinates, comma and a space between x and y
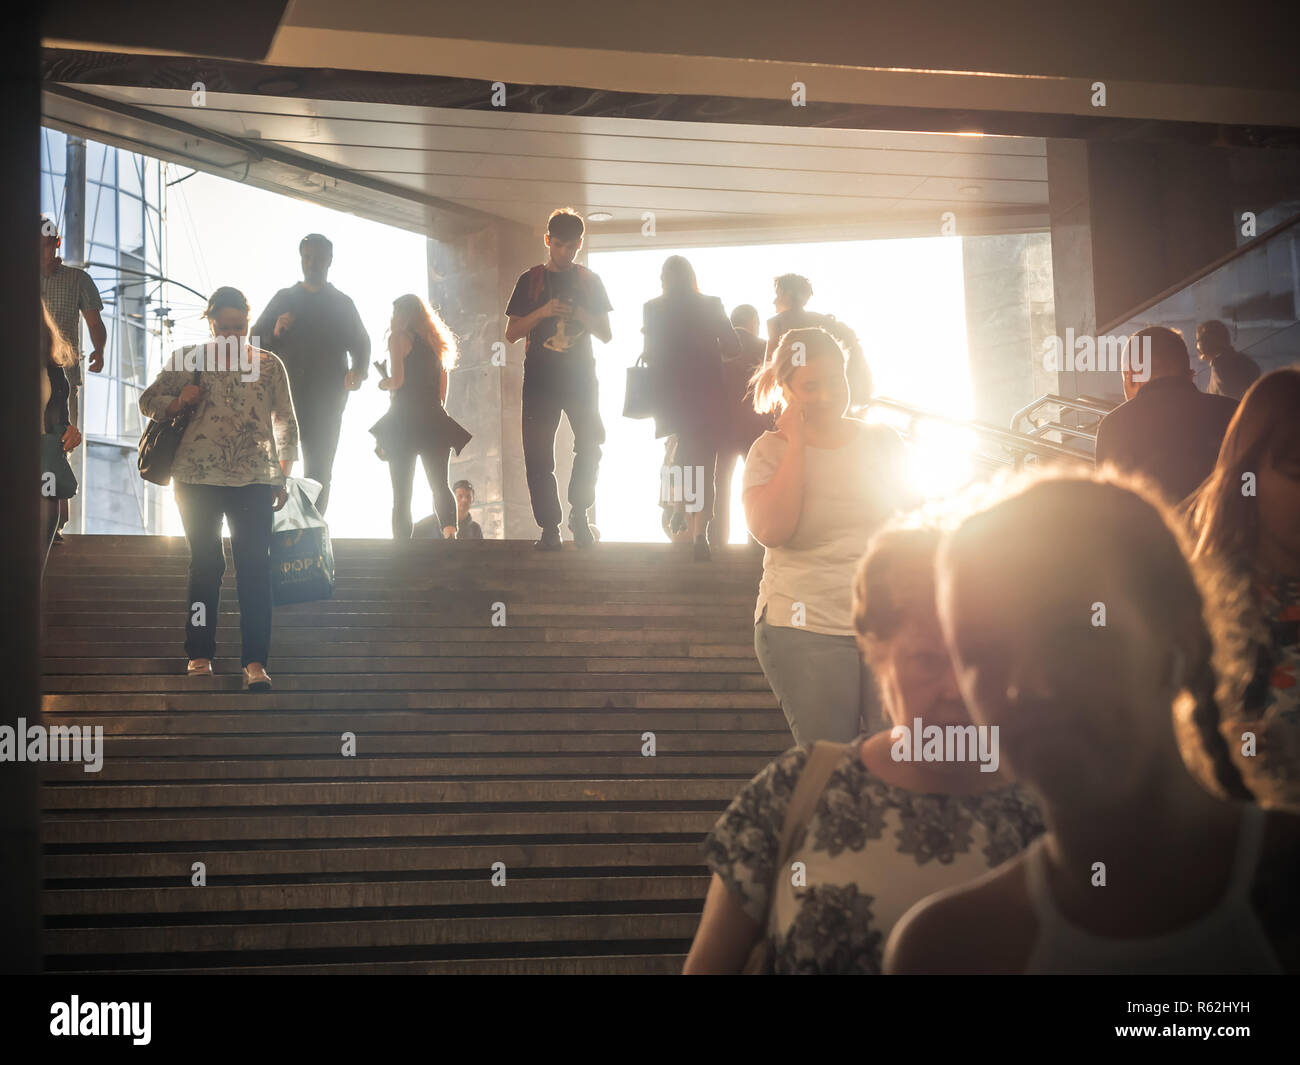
1226, 940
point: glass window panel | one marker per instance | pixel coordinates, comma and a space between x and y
133, 356
130, 220
95, 400
128, 172
101, 215
101, 163
151, 182
130, 425
49, 204
54, 151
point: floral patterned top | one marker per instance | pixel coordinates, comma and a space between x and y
871, 851
1271, 708
241, 430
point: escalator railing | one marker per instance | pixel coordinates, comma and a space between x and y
992, 447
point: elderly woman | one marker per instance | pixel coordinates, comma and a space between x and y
883, 830
238, 447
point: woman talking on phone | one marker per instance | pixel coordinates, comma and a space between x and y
815, 491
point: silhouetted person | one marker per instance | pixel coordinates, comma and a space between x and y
70, 293
687, 335
792, 293
745, 425
559, 306
314, 328
1231, 372
417, 425
1168, 430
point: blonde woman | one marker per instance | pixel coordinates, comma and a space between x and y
56, 356
423, 349
814, 492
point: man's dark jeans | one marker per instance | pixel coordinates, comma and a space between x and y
320, 417
548, 393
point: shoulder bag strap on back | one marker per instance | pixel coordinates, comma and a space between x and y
822, 760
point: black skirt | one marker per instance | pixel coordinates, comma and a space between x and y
403, 430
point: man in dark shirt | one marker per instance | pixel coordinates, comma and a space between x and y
559, 306
466, 527
745, 424
792, 292
314, 328
1231, 372
1168, 430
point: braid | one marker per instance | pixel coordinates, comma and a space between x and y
1202, 683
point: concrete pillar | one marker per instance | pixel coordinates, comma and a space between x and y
1008, 286
472, 272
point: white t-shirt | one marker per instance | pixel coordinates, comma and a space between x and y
849, 492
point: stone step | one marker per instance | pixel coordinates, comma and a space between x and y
200, 830
348, 864
576, 679
413, 932
708, 786
537, 657
284, 745
252, 720
362, 702
629, 964
308, 641
413, 767
519, 890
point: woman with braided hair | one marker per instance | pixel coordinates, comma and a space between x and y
1246, 517
1076, 625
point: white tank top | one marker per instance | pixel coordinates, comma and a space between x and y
1226, 940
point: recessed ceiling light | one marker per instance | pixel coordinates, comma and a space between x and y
599, 216
971, 188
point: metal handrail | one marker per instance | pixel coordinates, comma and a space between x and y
1076, 403
1057, 427
1015, 441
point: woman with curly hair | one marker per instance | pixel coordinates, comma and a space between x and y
423, 350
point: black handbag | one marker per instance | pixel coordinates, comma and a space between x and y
57, 479
638, 400
159, 441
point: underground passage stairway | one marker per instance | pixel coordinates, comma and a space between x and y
476, 743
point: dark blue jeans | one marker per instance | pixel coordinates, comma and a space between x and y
248, 509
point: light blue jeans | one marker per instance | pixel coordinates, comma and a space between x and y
825, 689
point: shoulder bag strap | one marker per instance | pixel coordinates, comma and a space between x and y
822, 760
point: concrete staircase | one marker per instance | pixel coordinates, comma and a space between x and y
475, 744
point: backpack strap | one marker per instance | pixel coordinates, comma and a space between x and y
536, 279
